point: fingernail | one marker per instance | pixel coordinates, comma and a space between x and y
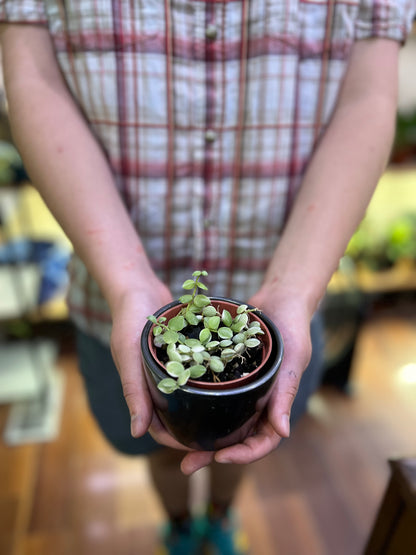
134, 422
222, 460
286, 425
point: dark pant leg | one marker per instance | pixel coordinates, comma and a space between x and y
105, 396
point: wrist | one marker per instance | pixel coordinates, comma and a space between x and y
294, 286
131, 277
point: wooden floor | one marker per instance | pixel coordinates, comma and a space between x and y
316, 495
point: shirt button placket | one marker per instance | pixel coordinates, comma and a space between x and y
210, 135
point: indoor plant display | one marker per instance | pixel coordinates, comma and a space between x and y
210, 363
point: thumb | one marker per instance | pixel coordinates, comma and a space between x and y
297, 355
135, 390
281, 400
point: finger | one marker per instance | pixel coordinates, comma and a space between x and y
281, 401
158, 431
135, 391
195, 460
253, 448
287, 384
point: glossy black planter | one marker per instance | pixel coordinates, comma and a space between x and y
209, 420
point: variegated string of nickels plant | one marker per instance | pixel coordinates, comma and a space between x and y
200, 339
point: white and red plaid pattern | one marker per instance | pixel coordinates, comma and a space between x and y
208, 111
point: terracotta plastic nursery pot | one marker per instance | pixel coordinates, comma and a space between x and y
210, 416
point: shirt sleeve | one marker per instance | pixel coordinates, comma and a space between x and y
390, 19
23, 11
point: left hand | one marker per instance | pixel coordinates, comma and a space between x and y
289, 313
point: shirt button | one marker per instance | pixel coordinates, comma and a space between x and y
211, 32
210, 135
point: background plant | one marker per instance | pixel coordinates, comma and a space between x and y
200, 339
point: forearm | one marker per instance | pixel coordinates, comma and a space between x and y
67, 165
339, 181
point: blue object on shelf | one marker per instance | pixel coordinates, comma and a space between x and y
51, 259
54, 274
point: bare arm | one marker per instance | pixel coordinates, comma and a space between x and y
334, 195
70, 170
335, 191
64, 160
342, 175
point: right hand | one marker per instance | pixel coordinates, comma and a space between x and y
129, 316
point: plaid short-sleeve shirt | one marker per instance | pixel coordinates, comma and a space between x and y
209, 111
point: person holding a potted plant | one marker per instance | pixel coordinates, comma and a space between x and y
245, 138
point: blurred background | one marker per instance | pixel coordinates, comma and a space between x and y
63, 490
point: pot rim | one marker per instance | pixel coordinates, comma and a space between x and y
275, 338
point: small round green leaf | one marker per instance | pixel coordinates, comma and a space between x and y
238, 325
188, 284
213, 322
242, 308
167, 385
228, 354
252, 342
205, 336
174, 355
191, 318
198, 358
184, 377
225, 333
170, 336
239, 338
212, 345
226, 318
192, 343
159, 341
201, 300
174, 368
152, 318
197, 371
209, 311
157, 330
242, 318
198, 348
184, 348
216, 365
185, 299
225, 343
177, 323
202, 286
254, 331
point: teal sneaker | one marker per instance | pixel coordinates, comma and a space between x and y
224, 536
186, 539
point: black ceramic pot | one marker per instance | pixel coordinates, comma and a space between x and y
211, 419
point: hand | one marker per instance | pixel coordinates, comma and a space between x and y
129, 314
291, 317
